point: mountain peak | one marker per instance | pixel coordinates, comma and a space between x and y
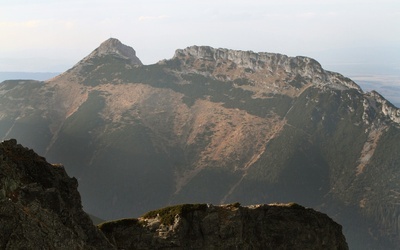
114, 47
111, 42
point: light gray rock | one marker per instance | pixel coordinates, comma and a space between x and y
305, 67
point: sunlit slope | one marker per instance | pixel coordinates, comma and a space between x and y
218, 126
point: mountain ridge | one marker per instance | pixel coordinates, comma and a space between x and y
304, 66
205, 226
194, 130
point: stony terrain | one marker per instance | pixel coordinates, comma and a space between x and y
40, 207
216, 126
204, 226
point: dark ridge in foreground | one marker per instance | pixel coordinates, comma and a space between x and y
40, 208
204, 226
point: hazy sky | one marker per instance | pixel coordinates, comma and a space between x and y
346, 35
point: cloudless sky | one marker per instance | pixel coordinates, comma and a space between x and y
351, 36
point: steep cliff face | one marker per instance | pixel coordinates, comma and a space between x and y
204, 226
267, 72
40, 207
216, 126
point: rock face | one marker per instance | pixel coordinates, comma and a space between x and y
204, 226
40, 207
268, 64
216, 126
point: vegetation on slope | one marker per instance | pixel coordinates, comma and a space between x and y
167, 214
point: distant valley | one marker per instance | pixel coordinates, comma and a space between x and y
38, 76
387, 85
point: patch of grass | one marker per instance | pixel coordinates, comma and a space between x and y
297, 82
167, 214
295, 205
107, 227
241, 81
236, 205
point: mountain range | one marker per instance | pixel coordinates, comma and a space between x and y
216, 126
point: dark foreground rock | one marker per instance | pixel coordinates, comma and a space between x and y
40, 207
204, 226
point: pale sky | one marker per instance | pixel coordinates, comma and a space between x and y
350, 36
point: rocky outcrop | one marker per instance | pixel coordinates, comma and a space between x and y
383, 106
110, 49
40, 207
204, 226
268, 64
114, 47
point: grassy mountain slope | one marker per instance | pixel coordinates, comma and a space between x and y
218, 126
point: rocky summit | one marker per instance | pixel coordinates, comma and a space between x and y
40, 208
114, 47
204, 226
218, 126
